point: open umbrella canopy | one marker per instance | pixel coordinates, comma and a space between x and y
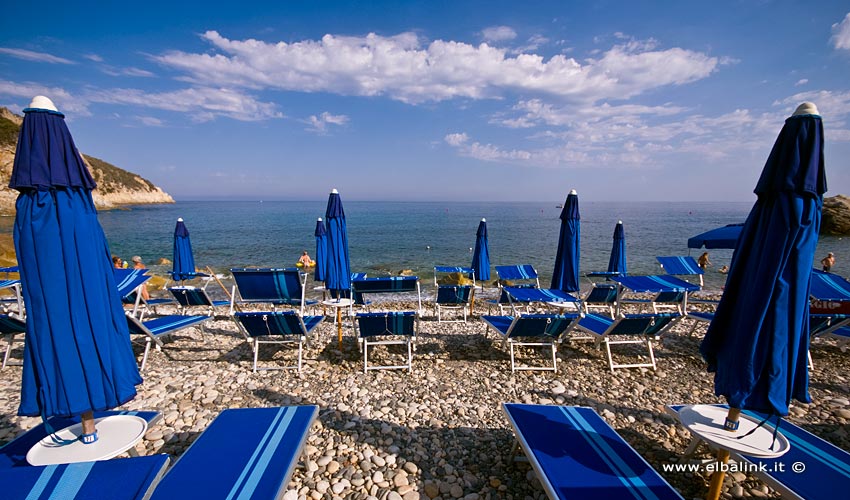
481, 254
721, 237
321, 251
77, 356
758, 340
338, 269
617, 261
565, 275
184, 261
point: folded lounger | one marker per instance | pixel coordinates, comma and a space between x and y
245, 453
386, 328
643, 326
120, 479
10, 327
155, 329
825, 472
277, 327
547, 330
14, 453
275, 286
453, 296
576, 454
192, 296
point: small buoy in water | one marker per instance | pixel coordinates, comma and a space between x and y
427, 247
470, 249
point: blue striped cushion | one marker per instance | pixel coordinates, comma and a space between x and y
827, 286
655, 284
680, 265
453, 294
260, 324
275, 286
385, 284
519, 272
386, 323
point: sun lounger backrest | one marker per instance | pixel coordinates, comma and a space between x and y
276, 323
388, 284
828, 286
539, 325
518, 272
386, 323
602, 294
685, 265
11, 324
275, 286
642, 324
656, 284
127, 280
453, 294
190, 296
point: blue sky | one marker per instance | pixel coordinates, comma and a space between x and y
454, 100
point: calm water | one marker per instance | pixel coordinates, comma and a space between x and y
386, 237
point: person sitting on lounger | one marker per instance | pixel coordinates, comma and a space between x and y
137, 264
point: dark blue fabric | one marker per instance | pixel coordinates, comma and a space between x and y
184, 261
617, 261
758, 341
46, 155
321, 251
481, 254
338, 266
721, 237
565, 275
78, 355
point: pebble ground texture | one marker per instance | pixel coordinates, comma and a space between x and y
439, 432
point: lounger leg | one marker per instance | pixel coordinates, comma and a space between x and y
811, 365
145, 355
554, 358
299, 356
365, 355
651, 353
610, 359
10, 337
409, 357
512, 356
256, 352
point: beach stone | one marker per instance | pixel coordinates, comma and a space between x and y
333, 467
322, 487
456, 491
737, 491
411, 467
843, 413
393, 496
431, 490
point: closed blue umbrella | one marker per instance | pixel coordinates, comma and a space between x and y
184, 261
565, 275
617, 261
481, 254
78, 356
321, 251
338, 269
757, 344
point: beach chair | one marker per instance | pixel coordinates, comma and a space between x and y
516, 276
603, 296
278, 327
576, 454
14, 453
10, 295
668, 292
630, 329
825, 472
274, 286
387, 285
124, 479
682, 266
386, 328
453, 296
537, 330
191, 296
520, 297
11, 326
155, 329
245, 453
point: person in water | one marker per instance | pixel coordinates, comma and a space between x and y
305, 259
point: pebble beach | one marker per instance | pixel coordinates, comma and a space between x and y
439, 432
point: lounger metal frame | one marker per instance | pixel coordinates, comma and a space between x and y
645, 326
460, 304
391, 328
156, 328
277, 333
552, 339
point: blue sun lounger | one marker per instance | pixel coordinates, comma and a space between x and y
515, 276
387, 284
14, 286
386, 328
681, 266
155, 329
576, 454
245, 453
602, 295
277, 327
275, 286
121, 479
191, 296
669, 291
826, 468
643, 326
453, 296
546, 330
10, 327
14, 453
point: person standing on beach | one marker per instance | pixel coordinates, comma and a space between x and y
703, 261
827, 262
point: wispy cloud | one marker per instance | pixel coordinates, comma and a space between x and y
29, 55
150, 121
801, 82
498, 34
109, 70
401, 68
64, 100
93, 57
321, 122
841, 34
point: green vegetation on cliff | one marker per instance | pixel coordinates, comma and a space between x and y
8, 131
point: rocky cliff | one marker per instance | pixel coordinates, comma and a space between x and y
115, 187
836, 215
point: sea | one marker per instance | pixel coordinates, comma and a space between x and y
386, 238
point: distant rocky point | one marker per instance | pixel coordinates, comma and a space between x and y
115, 186
836, 215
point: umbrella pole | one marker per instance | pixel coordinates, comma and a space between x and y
722, 458
339, 326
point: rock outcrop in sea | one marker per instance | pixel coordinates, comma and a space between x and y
836, 215
115, 186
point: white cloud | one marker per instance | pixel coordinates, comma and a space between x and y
131, 71
801, 81
841, 34
320, 123
63, 100
93, 57
498, 34
485, 152
456, 139
831, 105
29, 55
151, 121
401, 68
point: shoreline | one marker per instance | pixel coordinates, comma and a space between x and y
438, 432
